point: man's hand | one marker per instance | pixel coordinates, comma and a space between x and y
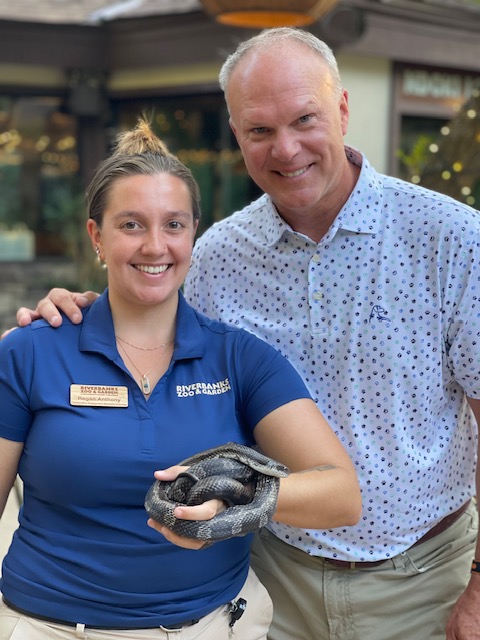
71, 303
464, 621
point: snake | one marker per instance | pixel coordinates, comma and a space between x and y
244, 478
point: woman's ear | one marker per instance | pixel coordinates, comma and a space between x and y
95, 234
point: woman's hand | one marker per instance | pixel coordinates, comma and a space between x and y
205, 511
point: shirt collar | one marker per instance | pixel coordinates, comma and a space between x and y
97, 332
360, 214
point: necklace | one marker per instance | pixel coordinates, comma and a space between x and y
164, 344
144, 381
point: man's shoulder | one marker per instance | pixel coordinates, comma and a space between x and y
243, 219
433, 204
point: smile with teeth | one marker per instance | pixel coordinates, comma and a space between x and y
148, 268
293, 174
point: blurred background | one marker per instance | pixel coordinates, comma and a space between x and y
73, 73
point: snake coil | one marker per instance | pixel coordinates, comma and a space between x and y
245, 479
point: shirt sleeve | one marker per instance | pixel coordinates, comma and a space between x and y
267, 379
461, 303
16, 367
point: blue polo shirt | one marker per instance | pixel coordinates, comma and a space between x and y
83, 551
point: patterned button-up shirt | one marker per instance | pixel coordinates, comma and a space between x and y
382, 320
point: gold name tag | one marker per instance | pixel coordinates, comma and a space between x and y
97, 395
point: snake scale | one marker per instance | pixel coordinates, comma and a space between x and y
245, 479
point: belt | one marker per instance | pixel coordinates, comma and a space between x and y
173, 627
440, 527
178, 627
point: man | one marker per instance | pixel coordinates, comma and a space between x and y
370, 287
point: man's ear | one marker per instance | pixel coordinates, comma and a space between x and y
232, 127
344, 111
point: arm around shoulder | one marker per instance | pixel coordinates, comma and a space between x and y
57, 300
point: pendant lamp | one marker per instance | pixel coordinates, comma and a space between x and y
265, 14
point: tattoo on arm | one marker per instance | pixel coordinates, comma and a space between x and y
325, 467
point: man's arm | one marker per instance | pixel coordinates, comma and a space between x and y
71, 303
464, 621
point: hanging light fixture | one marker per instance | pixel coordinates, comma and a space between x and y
265, 14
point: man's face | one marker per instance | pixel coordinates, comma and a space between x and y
289, 122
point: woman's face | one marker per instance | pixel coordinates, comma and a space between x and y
146, 237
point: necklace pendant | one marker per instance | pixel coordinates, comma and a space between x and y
145, 385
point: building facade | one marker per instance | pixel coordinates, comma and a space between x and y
67, 88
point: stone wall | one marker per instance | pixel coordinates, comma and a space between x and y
22, 284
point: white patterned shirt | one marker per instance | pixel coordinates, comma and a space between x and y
381, 318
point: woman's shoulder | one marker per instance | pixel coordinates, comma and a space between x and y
212, 331
224, 329
238, 338
38, 331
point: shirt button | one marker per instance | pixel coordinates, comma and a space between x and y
316, 258
317, 295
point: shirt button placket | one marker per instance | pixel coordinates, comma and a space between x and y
315, 296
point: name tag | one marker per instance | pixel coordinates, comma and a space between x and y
97, 395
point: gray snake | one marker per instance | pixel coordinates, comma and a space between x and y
245, 479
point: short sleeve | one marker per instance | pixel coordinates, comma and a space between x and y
462, 302
16, 366
267, 378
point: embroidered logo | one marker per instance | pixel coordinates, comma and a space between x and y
203, 388
380, 314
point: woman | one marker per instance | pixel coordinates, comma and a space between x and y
90, 411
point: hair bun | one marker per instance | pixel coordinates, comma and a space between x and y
139, 140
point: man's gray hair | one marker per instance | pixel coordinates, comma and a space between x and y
268, 37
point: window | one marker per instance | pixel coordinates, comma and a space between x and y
39, 184
438, 141
196, 129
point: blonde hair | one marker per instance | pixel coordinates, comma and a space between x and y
140, 140
137, 152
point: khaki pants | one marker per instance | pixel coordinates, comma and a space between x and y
253, 625
406, 598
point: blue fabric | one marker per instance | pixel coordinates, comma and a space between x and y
83, 552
